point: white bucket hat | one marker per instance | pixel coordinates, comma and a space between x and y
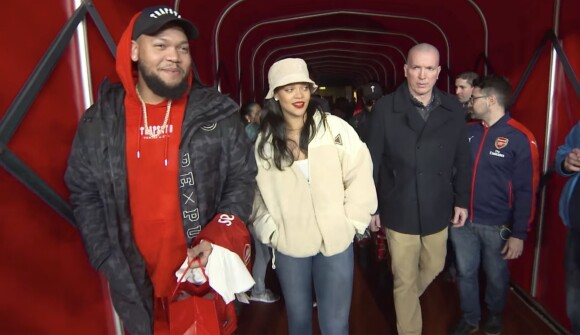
288, 71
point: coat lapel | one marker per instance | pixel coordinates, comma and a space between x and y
402, 104
438, 117
414, 120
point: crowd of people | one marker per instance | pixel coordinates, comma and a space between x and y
164, 170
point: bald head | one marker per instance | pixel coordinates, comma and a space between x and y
423, 48
422, 70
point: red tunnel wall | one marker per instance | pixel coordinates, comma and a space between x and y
47, 285
566, 114
361, 14
55, 291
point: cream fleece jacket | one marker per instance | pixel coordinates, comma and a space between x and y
301, 218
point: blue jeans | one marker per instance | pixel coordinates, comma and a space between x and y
476, 244
332, 277
572, 263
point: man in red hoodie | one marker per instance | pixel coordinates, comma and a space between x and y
156, 162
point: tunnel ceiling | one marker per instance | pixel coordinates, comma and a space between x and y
347, 42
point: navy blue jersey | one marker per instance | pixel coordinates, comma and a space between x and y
505, 174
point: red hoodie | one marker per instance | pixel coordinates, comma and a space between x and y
153, 189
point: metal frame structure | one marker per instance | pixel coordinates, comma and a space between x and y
26, 96
21, 104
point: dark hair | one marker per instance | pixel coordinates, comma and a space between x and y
495, 85
468, 76
273, 126
246, 109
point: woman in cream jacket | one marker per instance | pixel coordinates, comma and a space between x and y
315, 191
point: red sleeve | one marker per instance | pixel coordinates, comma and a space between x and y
228, 231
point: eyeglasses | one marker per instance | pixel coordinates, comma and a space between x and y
472, 98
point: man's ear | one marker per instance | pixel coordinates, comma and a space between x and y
492, 100
134, 51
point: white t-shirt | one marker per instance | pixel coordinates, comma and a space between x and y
303, 165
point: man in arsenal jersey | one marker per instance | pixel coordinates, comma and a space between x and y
504, 183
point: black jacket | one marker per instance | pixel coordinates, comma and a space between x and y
224, 168
360, 123
421, 169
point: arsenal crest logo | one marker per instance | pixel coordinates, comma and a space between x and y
501, 142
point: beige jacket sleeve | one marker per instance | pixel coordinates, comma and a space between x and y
360, 198
264, 226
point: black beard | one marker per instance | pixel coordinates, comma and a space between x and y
157, 86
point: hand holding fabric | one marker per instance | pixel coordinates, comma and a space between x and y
202, 250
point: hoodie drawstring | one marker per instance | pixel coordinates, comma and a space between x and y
139, 136
273, 259
148, 132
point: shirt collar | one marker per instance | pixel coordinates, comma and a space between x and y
418, 103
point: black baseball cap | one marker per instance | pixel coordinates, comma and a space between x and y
152, 19
372, 91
